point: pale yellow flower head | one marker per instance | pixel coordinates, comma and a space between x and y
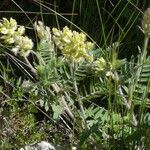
146, 23
10, 33
7, 30
72, 44
24, 44
100, 64
44, 35
8, 26
42, 31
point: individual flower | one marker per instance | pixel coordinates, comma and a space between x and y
89, 58
20, 31
57, 32
8, 39
146, 23
72, 44
15, 50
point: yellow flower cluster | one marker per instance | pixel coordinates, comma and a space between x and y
146, 23
44, 34
23, 45
72, 44
100, 64
12, 34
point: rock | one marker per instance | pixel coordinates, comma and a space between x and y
43, 145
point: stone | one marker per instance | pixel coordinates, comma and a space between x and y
43, 145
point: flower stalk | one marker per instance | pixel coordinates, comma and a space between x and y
144, 51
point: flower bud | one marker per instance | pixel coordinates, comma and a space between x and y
146, 23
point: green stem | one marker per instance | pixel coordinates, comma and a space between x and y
77, 93
30, 66
144, 52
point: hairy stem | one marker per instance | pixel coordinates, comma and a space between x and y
73, 68
30, 66
144, 52
128, 105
